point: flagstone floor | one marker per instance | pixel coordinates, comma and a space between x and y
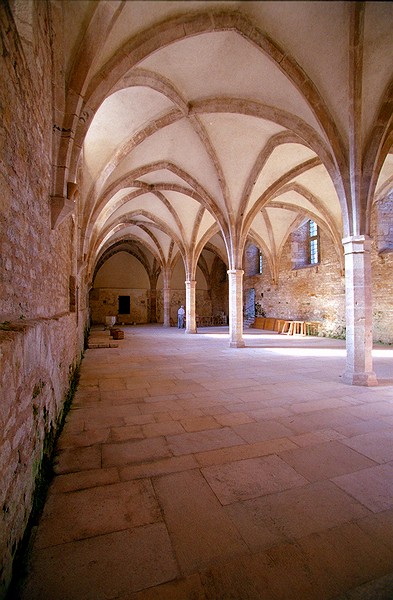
188, 470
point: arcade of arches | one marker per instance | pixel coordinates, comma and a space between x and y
164, 151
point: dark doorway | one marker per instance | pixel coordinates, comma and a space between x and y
124, 305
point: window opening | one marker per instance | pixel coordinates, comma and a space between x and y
313, 244
124, 305
260, 266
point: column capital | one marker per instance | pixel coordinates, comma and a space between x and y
235, 272
355, 244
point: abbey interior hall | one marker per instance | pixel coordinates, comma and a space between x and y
234, 158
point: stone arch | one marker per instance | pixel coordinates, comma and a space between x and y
174, 30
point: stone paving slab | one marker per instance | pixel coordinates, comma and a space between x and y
251, 478
261, 431
102, 567
295, 512
189, 588
72, 460
204, 533
343, 558
83, 438
380, 527
71, 482
125, 453
326, 460
158, 467
96, 511
372, 487
377, 445
236, 453
201, 441
172, 484
321, 419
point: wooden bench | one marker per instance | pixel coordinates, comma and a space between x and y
287, 327
259, 323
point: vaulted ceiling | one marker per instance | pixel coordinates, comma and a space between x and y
217, 122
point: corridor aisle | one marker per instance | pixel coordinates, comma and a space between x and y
188, 470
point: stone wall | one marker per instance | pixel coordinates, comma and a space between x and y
313, 293
104, 302
178, 297
38, 362
40, 342
382, 270
35, 261
219, 287
317, 293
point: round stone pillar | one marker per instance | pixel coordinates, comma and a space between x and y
236, 308
190, 306
358, 297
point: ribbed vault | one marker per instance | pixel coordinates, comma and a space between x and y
203, 118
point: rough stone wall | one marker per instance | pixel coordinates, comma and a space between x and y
104, 302
35, 261
40, 344
317, 293
382, 271
219, 287
36, 371
314, 293
178, 297
203, 304
382, 223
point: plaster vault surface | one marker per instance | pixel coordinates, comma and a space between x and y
185, 471
213, 121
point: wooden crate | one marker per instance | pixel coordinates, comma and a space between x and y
117, 334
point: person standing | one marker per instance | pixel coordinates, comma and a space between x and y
180, 317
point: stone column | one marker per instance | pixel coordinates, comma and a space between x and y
190, 307
166, 293
236, 308
153, 306
358, 293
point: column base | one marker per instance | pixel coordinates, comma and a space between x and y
190, 331
367, 379
239, 344
166, 325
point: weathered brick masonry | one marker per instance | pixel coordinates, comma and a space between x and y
39, 343
317, 293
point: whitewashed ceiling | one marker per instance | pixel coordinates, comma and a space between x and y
210, 118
